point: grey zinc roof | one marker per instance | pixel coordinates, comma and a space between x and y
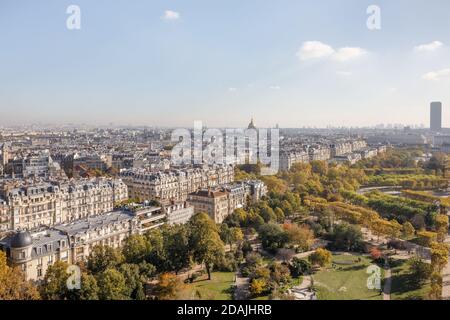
93, 222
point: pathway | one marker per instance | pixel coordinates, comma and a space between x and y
387, 283
241, 291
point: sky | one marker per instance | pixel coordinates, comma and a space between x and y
170, 62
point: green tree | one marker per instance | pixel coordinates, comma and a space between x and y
176, 244
89, 288
132, 278
54, 285
272, 236
205, 241
112, 285
299, 267
104, 257
135, 249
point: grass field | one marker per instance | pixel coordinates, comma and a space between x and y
346, 280
218, 288
403, 286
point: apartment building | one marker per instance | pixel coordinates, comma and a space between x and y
35, 251
175, 184
35, 204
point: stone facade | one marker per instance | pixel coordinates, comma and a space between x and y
175, 184
72, 242
30, 206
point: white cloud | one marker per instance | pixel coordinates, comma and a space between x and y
171, 15
437, 75
275, 88
348, 53
316, 50
432, 46
232, 89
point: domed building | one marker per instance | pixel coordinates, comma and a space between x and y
21, 240
251, 125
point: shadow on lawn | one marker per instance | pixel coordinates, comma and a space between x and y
403, 283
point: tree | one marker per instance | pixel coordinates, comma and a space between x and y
176, 245
272, 236
168, 286
408, 230
346, 237
279, 214
136, 248
237, 236
375, 253
320, 257
104, 257
439, 256
441, 223
205, 241
54, 285
89, 288
132, 278
258, 287
225, 234
267, 214
157, 255
279, 274
420, 270
13, 285
437, 162
112, 285
299, 267
301, 237
436, 286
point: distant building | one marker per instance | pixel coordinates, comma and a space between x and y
213, 202
436, 116
222, 201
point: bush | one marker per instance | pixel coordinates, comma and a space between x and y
299, 267
321, 257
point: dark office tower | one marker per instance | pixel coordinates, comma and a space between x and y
436, 116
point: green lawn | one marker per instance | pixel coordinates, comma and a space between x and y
218, 288
346, 280
403, 286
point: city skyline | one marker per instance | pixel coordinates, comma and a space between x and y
170, 63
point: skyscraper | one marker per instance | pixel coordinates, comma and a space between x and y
436, 116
